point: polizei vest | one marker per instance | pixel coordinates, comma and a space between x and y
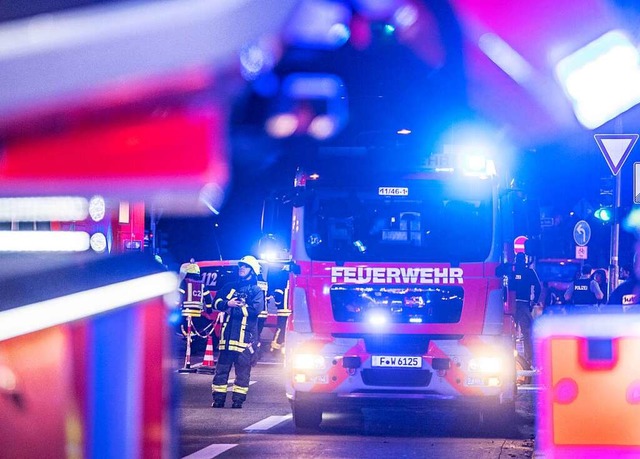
582, 293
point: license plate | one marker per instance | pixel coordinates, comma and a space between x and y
396, 361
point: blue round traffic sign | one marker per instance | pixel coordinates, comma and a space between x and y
582, 233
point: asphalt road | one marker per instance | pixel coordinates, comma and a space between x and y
264, 427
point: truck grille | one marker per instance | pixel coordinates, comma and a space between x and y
398, 377
397, 304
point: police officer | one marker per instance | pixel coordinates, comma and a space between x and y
241, 301
525, 283
584, 291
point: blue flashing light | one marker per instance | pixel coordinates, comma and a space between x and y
478, 166
175, 317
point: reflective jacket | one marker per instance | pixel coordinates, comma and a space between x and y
239, 326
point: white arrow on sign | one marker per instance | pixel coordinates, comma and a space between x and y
616, 148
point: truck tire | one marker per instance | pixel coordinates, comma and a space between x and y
306, 416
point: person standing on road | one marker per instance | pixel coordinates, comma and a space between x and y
600, 276
241, 301
277, 344
526, 284
584, 291
627, 294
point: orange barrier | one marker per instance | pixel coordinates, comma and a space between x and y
208, 363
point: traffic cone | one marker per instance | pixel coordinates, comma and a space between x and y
208, 364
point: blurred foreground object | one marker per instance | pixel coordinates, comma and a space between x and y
590, 403
82, 362
128, 99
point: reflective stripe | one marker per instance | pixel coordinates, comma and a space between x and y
284, 312
243, 324
191, 313
218, 301
224, 327
275, 337
240, 389
235, 348
195, 304
220, 388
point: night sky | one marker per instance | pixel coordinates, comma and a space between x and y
389, 87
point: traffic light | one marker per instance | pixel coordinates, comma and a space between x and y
604, 214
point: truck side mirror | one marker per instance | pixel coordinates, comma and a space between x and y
293, 267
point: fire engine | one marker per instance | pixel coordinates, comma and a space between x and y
397, 300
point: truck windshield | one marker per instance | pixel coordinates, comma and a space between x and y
426, 222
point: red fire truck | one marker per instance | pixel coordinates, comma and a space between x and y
397, 300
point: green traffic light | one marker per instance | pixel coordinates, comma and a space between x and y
604, 214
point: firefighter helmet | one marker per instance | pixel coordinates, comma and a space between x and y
193, 268
252, 262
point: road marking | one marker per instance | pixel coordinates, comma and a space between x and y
210, 451
268, 423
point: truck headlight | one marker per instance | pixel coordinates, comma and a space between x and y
486, 364
308, 362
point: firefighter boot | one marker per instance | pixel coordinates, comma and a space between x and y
218, 402
237, 400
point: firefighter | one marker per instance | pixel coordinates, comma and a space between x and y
194, 296
526, 284
262, 318
241, 301
283, 315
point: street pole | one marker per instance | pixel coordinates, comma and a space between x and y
615, 235
615, 228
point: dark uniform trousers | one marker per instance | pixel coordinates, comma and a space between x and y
242, 363
524, 319
283, 316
